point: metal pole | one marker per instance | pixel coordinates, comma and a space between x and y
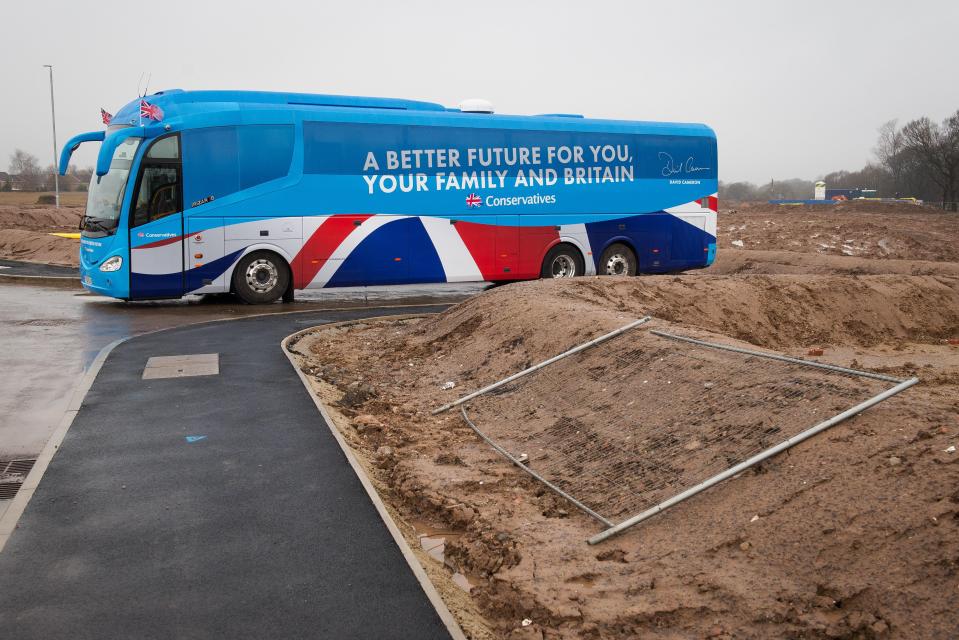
506, 454
53, 117
776, 356
585, 345
742, 466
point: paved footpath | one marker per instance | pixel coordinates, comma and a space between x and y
216, 506
34, 269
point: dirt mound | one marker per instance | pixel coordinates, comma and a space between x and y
766, 310
24, 234
40, 218
36, 246
854, 534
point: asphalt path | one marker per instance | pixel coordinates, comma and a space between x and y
209, 506
36, 270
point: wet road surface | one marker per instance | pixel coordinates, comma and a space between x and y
51, 335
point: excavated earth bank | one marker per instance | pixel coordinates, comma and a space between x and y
853, 534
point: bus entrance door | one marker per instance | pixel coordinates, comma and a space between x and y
156, 224
156, 258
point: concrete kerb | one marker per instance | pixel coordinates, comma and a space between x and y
431, 593
61, 282
10, 517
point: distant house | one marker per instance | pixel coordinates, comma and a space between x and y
68, 182
16, 184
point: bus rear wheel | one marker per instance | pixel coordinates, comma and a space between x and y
261, 277
563, 261
618, 260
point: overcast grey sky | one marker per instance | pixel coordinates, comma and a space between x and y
793, 89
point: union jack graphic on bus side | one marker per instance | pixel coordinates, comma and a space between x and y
473, 200
151, 111
106, 116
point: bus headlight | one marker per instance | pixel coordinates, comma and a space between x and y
113, 264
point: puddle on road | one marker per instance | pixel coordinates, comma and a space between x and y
433, 542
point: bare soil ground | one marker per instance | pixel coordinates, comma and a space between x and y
912, 236
25, 233
857, 534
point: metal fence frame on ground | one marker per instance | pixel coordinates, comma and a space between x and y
613, 528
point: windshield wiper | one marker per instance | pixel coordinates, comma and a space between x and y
92, 223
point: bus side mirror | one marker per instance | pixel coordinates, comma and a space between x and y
73, 144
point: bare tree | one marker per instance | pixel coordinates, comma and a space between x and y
83, 175
891, 152
937, 149
27, 168
738, 191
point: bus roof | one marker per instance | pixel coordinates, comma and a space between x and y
184, 105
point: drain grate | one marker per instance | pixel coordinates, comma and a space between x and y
12, 475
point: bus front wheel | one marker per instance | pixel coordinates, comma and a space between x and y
261, 277
618, 260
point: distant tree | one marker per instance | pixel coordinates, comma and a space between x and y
27, 168
891, 152
871, 176
6, 186
49, 183
739, 191
82, 175
935, 147
792, 189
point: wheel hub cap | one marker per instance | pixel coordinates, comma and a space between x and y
563, 267
262, 275
617, 265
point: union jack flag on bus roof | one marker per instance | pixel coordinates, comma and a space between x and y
106, 116
151, 111
473, 200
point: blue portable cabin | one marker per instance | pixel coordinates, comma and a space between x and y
307, 179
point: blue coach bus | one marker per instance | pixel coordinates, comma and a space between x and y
263, 193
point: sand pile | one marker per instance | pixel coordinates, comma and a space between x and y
24, 234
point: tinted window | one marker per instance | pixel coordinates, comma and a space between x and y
219, 161
265, 153
159, 194
165, 149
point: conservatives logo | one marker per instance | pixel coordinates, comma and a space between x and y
473, 201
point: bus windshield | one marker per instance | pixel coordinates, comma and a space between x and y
105, 195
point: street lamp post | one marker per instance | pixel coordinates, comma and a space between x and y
53, 116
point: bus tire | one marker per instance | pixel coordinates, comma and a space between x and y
563, 261
261, 277
618, 260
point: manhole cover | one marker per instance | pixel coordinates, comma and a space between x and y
197, 364
12, 475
